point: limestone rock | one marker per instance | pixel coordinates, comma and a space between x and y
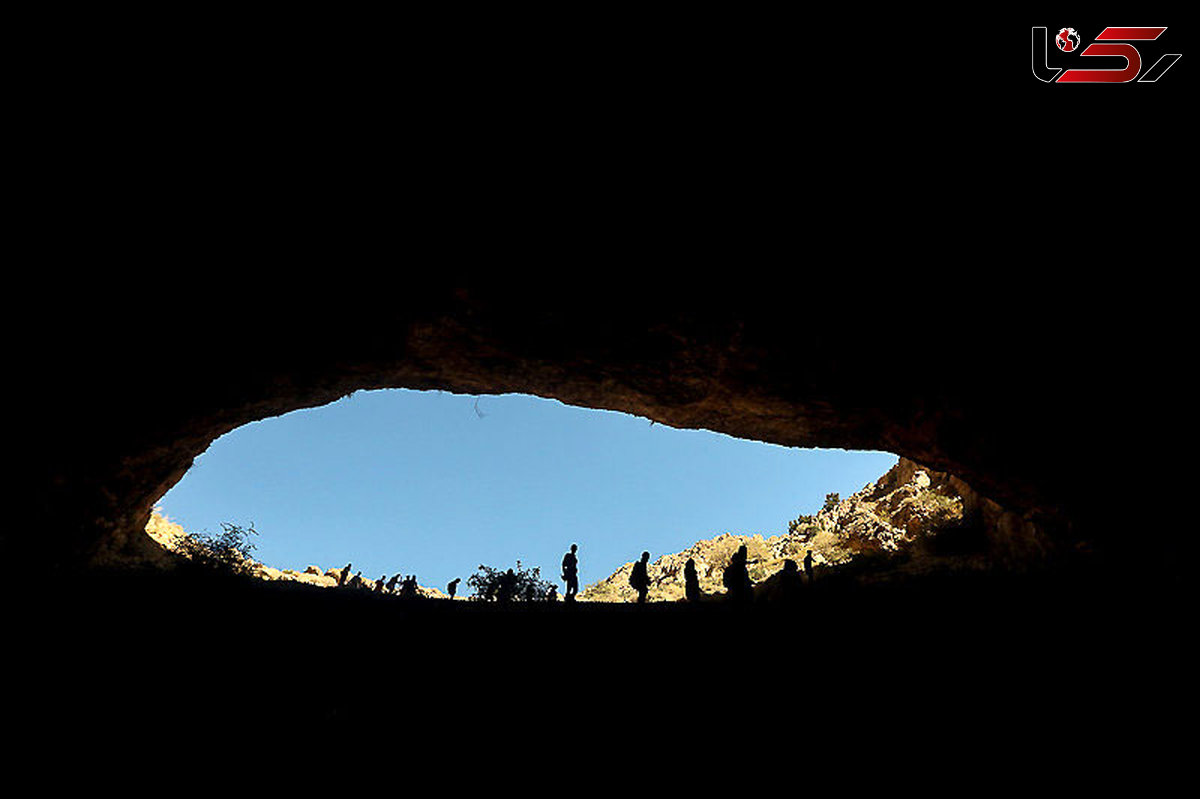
904, 515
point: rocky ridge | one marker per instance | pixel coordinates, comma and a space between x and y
168, 535
912, 520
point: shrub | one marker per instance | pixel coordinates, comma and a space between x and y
528, 585
799, 522
831, 501
226, 553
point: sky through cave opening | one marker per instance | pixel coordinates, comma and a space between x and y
435, 484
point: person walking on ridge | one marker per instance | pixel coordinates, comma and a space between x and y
736, 577
639, 579
570, 573
691, 581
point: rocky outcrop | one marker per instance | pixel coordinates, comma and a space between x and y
162, 550
913, 520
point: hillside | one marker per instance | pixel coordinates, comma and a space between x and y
169, 535
912, 520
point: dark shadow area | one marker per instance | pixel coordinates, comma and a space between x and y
994, 346
983, 658
965, 539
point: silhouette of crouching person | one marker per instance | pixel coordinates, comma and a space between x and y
789, 583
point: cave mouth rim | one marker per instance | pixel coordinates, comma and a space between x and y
477, 414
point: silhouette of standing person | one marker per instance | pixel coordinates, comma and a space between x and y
736, 577
356, 581
452, 588
391, 584
640, 579
378, 589
570, 573
691, 581
345, 573
808, 566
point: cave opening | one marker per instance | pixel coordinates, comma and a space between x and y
759, 379
435, 484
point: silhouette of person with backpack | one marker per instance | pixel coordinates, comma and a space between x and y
736, 577
356, 581
691, 581
342, 577
808, 566
452, 587
390, 588
640, 579
378, 589
570, 573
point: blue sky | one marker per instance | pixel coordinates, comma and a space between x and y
420, 483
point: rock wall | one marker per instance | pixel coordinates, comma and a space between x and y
817, 360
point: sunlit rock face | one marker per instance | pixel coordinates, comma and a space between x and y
911, 522
989, 392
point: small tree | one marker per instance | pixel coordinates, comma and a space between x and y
227, 553
831, 501
799, 522
527, 584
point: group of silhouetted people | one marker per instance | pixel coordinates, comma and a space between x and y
739, 587
735, 578
408, 587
